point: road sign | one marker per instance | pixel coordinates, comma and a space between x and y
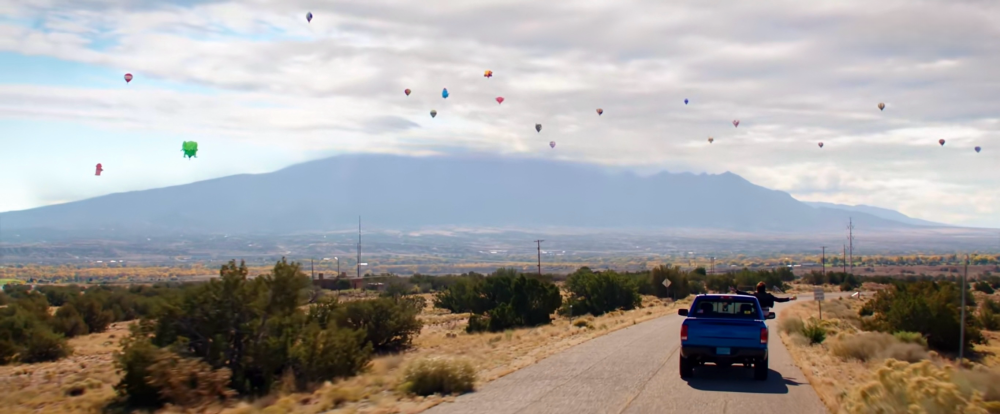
666, 283
818, 294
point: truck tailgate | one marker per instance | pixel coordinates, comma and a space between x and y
710, 331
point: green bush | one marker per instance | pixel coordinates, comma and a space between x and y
330, 353
69, 322
984, 287
26, 333
932, 309
910, 338
502, 301
388, 324
815, 333
439, 376
989, 315
597, 293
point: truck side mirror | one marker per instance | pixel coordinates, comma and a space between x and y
682, 312
770, 315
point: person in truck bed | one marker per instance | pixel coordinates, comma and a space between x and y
766, 299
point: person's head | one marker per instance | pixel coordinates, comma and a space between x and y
761, 287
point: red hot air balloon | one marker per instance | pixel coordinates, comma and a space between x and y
499, 100
821, 145
99, 169
407, 91
128, 77
941, 141
736, 123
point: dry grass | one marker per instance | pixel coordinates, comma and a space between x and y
46, 387
851, 368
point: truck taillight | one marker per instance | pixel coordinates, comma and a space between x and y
763, 335
684, 332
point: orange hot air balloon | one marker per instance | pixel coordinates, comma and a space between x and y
488, 74
600, 111
499, 100
941, 141
406, 91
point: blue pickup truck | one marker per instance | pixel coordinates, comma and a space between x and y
723, 330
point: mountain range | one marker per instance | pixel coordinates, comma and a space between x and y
414, 192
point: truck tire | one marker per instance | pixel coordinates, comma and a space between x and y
687, 368
760, 369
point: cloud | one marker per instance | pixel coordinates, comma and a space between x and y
794, 73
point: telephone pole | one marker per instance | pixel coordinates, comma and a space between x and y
539, 243
850, 239
961, 335
823, 263
359, 246
713, 266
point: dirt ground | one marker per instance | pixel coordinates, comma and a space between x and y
55, 387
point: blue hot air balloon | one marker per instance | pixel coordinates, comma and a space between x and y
444, 93
685, 101
309, 17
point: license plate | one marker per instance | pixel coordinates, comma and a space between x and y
722, 351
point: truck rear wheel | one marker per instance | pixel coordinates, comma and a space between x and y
760, 369
687, 368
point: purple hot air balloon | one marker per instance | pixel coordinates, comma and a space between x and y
978, 149
736, 122
821, 145
309, 17
685, 101
552, 144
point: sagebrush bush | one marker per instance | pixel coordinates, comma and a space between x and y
863, 347
815, 332
439, 376
910, 338
901, 387
188, 382
791, 324
909, 352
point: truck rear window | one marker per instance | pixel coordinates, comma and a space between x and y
725, 308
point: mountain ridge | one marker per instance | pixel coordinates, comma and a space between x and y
408, 192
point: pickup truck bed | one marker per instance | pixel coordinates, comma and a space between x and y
723, 330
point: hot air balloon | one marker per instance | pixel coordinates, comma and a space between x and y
488, 74
977, 150
736, 123
190, 149
821, 145
406, 91
434, 113
538, 127
685, 101
552, 144
499, 100
941, 141
444, 93
309, 17
711, 140
99, 169
600, 112
881, 106
128, 77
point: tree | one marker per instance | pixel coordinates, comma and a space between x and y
600, 292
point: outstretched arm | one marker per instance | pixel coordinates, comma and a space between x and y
739, 292
777, 299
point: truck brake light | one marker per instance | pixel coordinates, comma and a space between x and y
684, 332
763, 335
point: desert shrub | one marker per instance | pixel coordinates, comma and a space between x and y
597, 293
388, 324
792, 324
138, 354
863, 347
581, 323
439, 376
909, 352
330, 353
69, 322
930, 308
188, 382
910, 338
44, 345
814, 332
984, 287
59, 295
3, 298
989, 315
26, 333
502, 301
980, 378
902, 387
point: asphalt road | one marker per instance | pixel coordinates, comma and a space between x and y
635, 370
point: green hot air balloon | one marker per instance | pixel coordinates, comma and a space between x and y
190, 149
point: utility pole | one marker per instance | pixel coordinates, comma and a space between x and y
713, 265
850, 239
312, 268
961, 335
359, 246
539, 243
823, 264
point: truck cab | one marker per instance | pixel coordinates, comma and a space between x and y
723, 330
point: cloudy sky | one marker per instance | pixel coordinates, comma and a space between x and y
260, 88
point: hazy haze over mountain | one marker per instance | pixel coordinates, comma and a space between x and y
409, 192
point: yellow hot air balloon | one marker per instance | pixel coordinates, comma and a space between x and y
488, 74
